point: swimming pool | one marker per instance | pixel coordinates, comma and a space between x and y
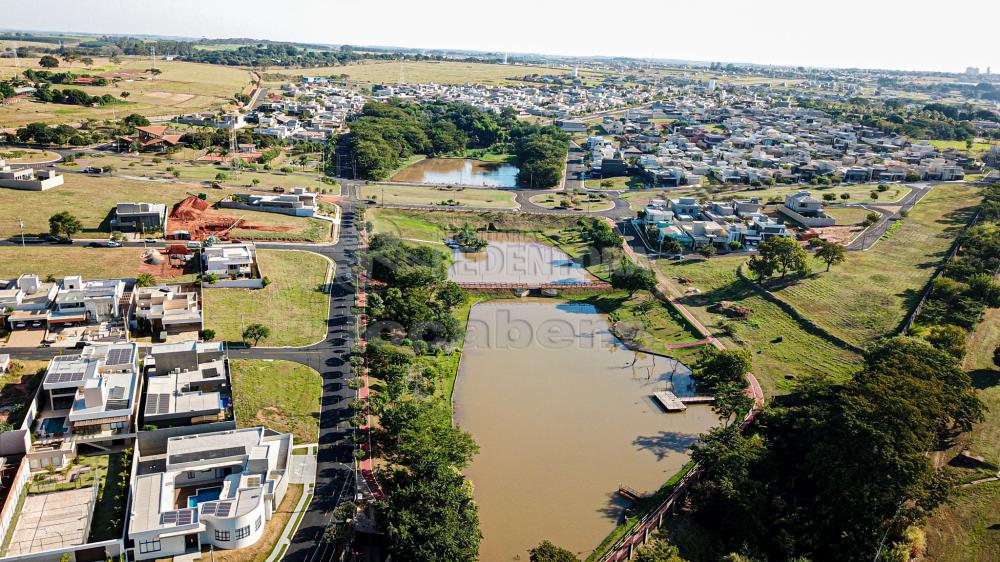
54, 425
204, 495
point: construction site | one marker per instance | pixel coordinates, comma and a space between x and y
194, 219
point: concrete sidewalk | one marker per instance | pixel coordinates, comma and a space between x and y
302, 470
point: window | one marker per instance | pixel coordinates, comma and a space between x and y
243, 532
221, 535
191, 475
152, 545
257, 524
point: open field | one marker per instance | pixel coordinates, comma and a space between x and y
847, 216
859, 193
293, 305
574, 202
182, 87
445, 72
91, 263
443, 196
192, 172
619, 183
405, 226
977, 146
782, 350
867, 296
281, 395
26, 155
93, 199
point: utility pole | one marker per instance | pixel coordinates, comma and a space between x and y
152, 62
21, 224
15, 58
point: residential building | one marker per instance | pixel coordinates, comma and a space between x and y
27, 178
211, 489
187, 383
149, 138
167, 309
299, 202
685, 208
94, 301
85, 400
25, 301
140, 217
230, 260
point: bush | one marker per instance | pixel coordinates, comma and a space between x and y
207, 334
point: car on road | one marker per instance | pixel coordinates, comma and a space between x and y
152, 240
677, 257
58, 240
104, 244
113, 244
93, 170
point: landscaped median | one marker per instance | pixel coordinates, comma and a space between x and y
294, 305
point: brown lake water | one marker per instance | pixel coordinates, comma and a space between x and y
458, 171
562, 418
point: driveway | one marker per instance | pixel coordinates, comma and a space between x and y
25, 338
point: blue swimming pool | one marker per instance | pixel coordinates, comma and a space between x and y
54, 425
204, 495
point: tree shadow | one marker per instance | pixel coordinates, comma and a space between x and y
664, 443
984, 378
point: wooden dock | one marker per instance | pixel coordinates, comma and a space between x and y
672, 403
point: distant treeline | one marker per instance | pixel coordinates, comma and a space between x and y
386, 134
930, 121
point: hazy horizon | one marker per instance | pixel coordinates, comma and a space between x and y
891, 35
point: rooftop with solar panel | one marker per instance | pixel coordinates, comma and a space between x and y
89, 398
187, 383
213, 489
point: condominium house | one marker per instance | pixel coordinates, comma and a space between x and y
94, 301
703, 233
166, 310
685, 208
27, 178
187, 383
208, 490
86, 401
230, 260
150, 137
299, 202
25, 301
805, 209
140, 217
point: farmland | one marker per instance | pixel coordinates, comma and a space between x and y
182, 87
445, 72
294, 305
867, 296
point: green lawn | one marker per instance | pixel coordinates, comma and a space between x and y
280, 395
443, 196
620, 183
111, 500
392, 221
293, 306
977, 146
848, 216
574, 202
783, 351
867, 296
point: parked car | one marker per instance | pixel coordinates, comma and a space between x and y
194, 245
93, 170
278, 189
152, 240
677, 257
95, 245
113, 244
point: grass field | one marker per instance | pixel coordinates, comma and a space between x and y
847, 216
574, 202
977, 146
202, 172
182, 87
455, 197
445, 72
293, 306
60, 261
405, 226
859, 193
26, 155
92, 200
280, 395
867, 296
780, 345
620, 183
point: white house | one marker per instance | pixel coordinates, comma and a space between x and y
230, 260
214, 489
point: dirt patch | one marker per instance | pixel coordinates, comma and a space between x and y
201, 221
838, 234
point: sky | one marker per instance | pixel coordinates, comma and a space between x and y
889, 34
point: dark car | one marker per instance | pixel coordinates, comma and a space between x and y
58, 240
96, 245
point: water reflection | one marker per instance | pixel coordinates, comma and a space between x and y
457, 171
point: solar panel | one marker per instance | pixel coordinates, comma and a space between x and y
119, 356
208, 508
116, 393
210, 373
168, 518
157, 403
59, 378
207, 455
184, 517
222, 510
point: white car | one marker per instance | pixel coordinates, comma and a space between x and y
113, 244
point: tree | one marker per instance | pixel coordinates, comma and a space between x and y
707, 250
731, 401
658, 550
48, 61
779, 255
207, 334
718, 367
631, 277
87, 61
831, 253
64, 223
125, 94
145, 280
671, 246
949, 339
134, 119
548, 552
256, 332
